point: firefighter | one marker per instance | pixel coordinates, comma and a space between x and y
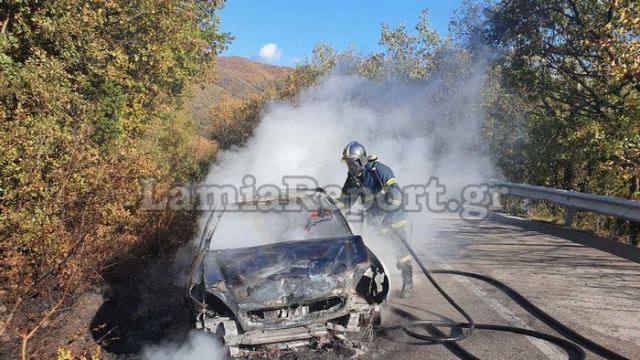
377, 188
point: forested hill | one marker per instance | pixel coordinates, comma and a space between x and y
236, 77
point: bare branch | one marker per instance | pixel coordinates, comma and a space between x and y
11, 315
5, 23
576, 13
79, 244
27, 336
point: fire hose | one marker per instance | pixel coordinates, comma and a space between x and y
573, 344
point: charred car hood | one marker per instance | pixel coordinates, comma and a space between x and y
284, 273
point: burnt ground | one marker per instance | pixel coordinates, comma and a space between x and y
139, 303
143, 305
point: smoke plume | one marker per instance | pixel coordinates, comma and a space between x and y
420, 129
417, 129
198, 346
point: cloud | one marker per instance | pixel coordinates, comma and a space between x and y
270, 52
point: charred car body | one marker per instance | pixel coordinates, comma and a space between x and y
283, 276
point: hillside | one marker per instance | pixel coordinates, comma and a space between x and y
237, 77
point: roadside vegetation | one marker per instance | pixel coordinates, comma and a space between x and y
575, 68
93, 98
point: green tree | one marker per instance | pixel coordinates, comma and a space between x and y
583, 117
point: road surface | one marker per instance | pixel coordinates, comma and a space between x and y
591, 285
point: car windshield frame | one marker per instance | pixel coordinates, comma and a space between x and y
285, 204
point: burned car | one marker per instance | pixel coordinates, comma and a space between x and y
283, 272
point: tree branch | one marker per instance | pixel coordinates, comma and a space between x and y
576, 13
52, 270
27, 336
5, 23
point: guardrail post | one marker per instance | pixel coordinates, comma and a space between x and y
495, 201
525, 205
568, 216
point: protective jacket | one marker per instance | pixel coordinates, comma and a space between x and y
380, 194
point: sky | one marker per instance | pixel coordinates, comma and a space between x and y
283, 32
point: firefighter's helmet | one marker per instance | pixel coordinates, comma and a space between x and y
355, 156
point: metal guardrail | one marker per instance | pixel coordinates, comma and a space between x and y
571, 200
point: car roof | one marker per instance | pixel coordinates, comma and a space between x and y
285, 196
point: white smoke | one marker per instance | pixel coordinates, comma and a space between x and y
409, 126
420, 129
198, 346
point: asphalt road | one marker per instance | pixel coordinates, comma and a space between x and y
591, 285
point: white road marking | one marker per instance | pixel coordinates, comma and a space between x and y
549, 351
